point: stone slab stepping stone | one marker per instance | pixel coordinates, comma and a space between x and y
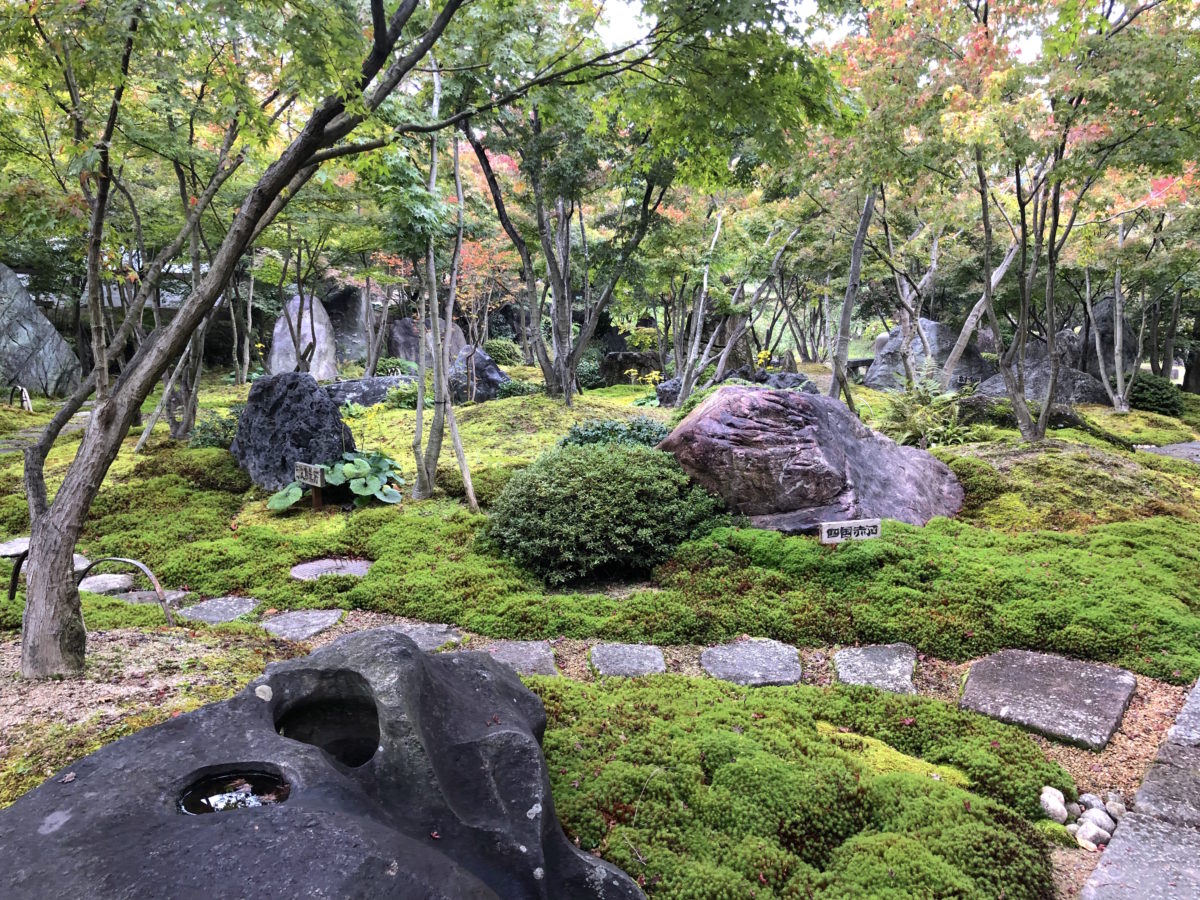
429, 636
754, 662
302, 624
14, 547
1078, 702
107, 584
628, 659
888, 667
355, 568
1147, 859
526, 657
1189, 451
1186, 729
1171, 789
220, 609
173, 597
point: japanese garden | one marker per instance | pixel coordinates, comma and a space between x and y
689, 449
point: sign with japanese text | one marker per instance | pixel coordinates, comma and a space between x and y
853, 530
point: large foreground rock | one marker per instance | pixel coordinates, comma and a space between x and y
474, 376
32, 353
791, 460
887, 371
314, 329
408, 776
1079, 702
287, 419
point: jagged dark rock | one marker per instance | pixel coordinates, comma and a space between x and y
474, 376
407, 775
668, 391
314, 329
32, 354
365, 391
790, 460
288, 419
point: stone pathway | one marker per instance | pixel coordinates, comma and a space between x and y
628, 660
1189, 451
301, 624
107, 584
13, 548
173, 598
220, 609
1155, 852
1078, 702
428, 636
753, 662
888, 667
526, 657
309, 571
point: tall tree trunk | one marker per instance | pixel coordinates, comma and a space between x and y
841, 354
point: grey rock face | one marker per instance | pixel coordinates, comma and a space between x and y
888, 667
524, 657
220, 609
615, 366
1105, 327
1171, 789
345, 307
408, 776
14, 547
403, 341
628, 660
1070, 386
887, 372
287, 419
32, 353
790, 460
668, 391
364, 391
779, 381
1147, 859
474, 376
314, 569
1186, 730
1078, 702
753, 662
315, 330
301, 624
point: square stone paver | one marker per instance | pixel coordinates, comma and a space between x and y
754, 662
107, 584
301, 624
888, 667
308, 571
1186, 729
628, 659
429, 636
173, 598
1147, 860
220, 609
1078, 702
526, 657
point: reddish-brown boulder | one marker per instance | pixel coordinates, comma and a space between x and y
790, 460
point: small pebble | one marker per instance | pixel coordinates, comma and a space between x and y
1055, 793
1114, 797
1086, 845
1092, 833
1073, 827
1090, 801
1114, 809
1074, 810
1100, 819
1053, 807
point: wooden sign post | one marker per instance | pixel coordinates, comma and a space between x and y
314, 477
853, 530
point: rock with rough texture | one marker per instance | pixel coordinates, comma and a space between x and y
1078, 702
1070, 386
32, 353
888, 667
524, 657
408, 775
887, 371
115, 583
474, 376
616, 367
1105, 326
628, 660
313, 330
1186, 729
345, 305
287, 419
220, 609
403, 341
791, 460
1115, 809
301, 624
365, 391
1171, 788
668, 391
1147, 859
754, 662
317, 568
778, 381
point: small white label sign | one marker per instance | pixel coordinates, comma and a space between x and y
853, 530
307, 473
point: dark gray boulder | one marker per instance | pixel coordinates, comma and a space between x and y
314, 329
1070, 386
474, 376
32, 353
365, 391
345, 304
403, 341
779, 381
615, 367
668, 391
288, 419
790, 460
379, 771
1102, 312
887, 371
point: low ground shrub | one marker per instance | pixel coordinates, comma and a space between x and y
216, 428
402, 396
518, 388
503, 351
641, 430
581, 510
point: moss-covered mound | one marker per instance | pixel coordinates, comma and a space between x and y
705, 790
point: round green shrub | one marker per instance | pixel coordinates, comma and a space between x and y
503, 351
641, 430
1152, 393
519, 388
582, 509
